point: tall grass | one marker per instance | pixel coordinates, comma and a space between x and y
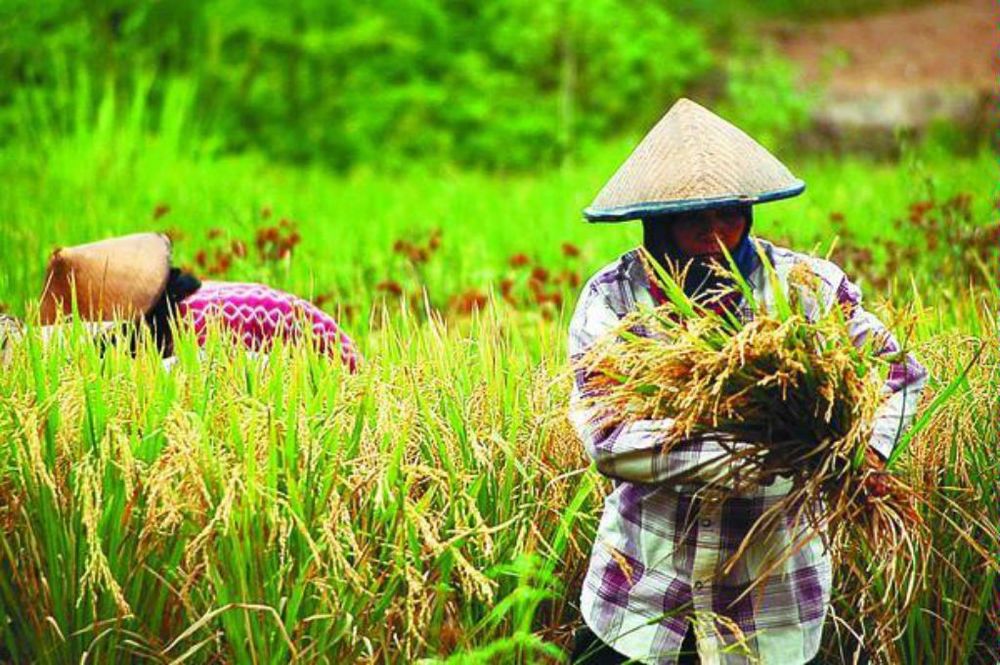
125, 168
433, 505
954, 615
278, 508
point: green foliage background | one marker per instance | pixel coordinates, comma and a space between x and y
502, 83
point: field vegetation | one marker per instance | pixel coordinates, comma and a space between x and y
435, 505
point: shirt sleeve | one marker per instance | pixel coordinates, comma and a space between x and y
906, 379
631, 451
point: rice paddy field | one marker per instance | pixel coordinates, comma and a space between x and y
436, 506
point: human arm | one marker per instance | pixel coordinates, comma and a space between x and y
630, 451
906, 379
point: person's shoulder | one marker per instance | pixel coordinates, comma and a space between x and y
605, 291
613, 274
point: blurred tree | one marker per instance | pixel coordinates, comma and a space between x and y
500, 83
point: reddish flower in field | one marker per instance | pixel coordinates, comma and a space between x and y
535, 286
554, 297
160, 210
390, 286
222, 262
992, 237
469, 301
265, 212
506, 287
435, 242
201, 258
346, 311
286, 223
214, 233
570, 250
322, 298
540, 273
519, 261
266, 235
569, 277
961, 201
919, 210
418, 255
836, 217
239, 249
864, 256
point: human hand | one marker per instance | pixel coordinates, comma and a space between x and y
876, 480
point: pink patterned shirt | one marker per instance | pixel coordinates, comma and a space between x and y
257, 313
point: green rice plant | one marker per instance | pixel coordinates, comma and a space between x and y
433, 506
275, 508
115, 176
954, 616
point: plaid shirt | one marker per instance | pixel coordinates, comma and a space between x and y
666, 532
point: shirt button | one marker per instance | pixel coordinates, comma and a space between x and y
706, 522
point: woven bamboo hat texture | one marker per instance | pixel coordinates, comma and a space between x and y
118, 278
692, 160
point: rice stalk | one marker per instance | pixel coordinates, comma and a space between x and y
269, 508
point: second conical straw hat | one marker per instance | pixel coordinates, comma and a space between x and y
116, 278
692, 160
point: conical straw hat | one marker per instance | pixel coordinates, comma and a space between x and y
691, 160
113, 279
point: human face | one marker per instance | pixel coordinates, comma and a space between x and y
698, 233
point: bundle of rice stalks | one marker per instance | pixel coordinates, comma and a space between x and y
780, 386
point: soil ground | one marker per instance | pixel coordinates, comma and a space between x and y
940, 44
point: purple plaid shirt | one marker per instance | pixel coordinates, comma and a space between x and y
666, 532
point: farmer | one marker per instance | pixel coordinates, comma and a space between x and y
666, 533
130, 277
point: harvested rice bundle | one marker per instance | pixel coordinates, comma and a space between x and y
783, 393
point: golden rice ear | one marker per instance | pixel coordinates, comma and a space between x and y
110, 279
692, 160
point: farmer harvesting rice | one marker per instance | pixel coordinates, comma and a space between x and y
663, 563
131, 278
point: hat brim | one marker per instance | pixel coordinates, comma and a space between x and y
657, 208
